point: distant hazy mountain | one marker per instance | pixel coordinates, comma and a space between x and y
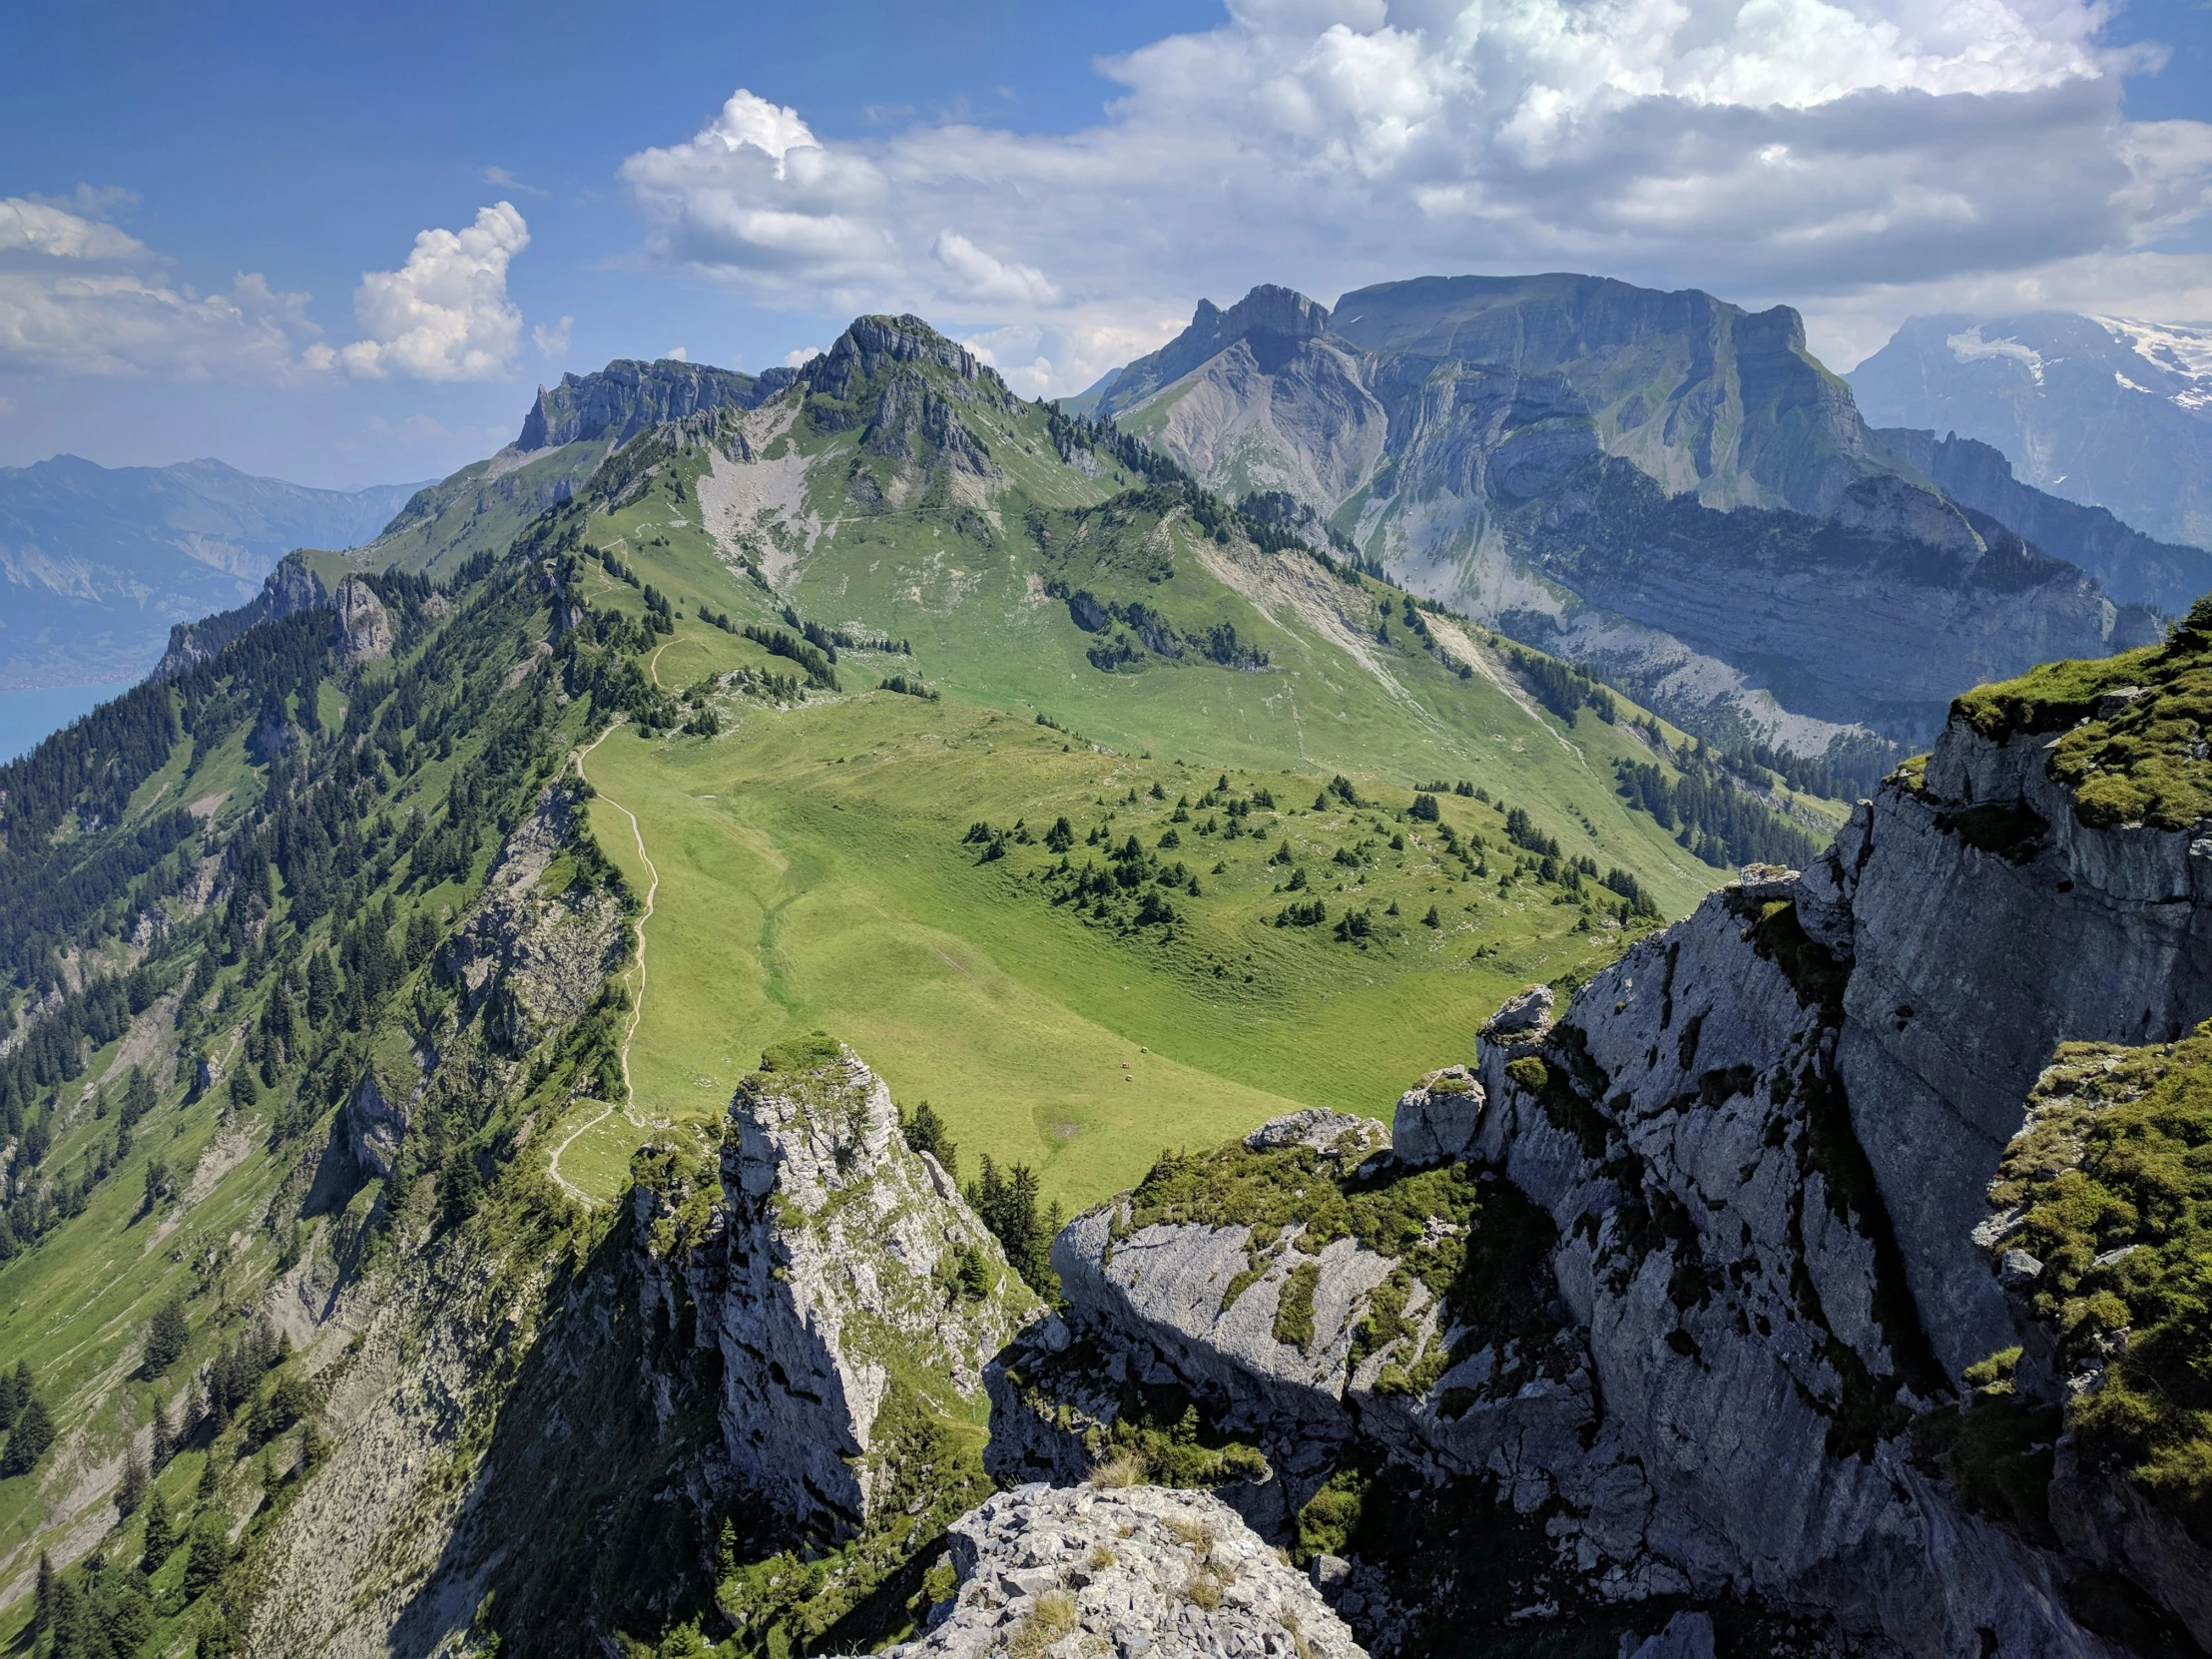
99, 562
1664, 486
2128, 564
2099, 409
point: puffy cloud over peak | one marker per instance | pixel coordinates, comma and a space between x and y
1799, 149
444, 315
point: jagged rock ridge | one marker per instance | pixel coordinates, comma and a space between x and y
1753, 1153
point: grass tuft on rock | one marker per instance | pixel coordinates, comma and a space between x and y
2110, 1187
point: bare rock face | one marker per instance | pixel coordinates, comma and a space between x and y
290, 588
363, 630
375, 1124
1715, 1399
534, 961
846, 1281
1436, 1117
1131, 1571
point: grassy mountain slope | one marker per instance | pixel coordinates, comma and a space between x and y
811, 860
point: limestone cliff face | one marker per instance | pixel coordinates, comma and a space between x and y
828, 1272
1757, 1147
1985, 923
290, 588
628, 397
363, 630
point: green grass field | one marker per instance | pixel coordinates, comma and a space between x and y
812, 875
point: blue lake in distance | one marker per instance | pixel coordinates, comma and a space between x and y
28, 716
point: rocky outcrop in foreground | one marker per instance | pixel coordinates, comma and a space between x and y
1138, 1570
852, 1294
1677, 1292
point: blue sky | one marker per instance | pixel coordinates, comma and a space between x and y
1056, 183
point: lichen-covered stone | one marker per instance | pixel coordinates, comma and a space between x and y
1138, 1570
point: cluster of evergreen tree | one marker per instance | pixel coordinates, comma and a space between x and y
1850, 768
1072, 432
811, 659
1562, 687
25, 1421
1711, 815
1008, 1204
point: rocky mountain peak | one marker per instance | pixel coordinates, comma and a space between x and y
627, 396
851, 1289
873, 343
1273, 321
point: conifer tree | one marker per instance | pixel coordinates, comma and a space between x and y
28, 1440
167, 1335
161, 1534
42, 1604
130, 1491
165, 1435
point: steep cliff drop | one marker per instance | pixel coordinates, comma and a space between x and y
1694, 1294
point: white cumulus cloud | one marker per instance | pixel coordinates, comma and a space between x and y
444, 315
1822, 151
77, 296
43, 228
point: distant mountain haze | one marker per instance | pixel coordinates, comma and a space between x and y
2106, 411
1663, 486
100, 562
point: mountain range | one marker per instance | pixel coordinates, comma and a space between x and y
1663, 487
2108, 412
100, 562
898, 1028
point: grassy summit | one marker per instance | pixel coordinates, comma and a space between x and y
2135, 749
2111, 1186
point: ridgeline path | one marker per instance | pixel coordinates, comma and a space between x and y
637, 1004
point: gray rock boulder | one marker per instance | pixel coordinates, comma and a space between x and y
1524, 1014
1135, 1570
1436, 1117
